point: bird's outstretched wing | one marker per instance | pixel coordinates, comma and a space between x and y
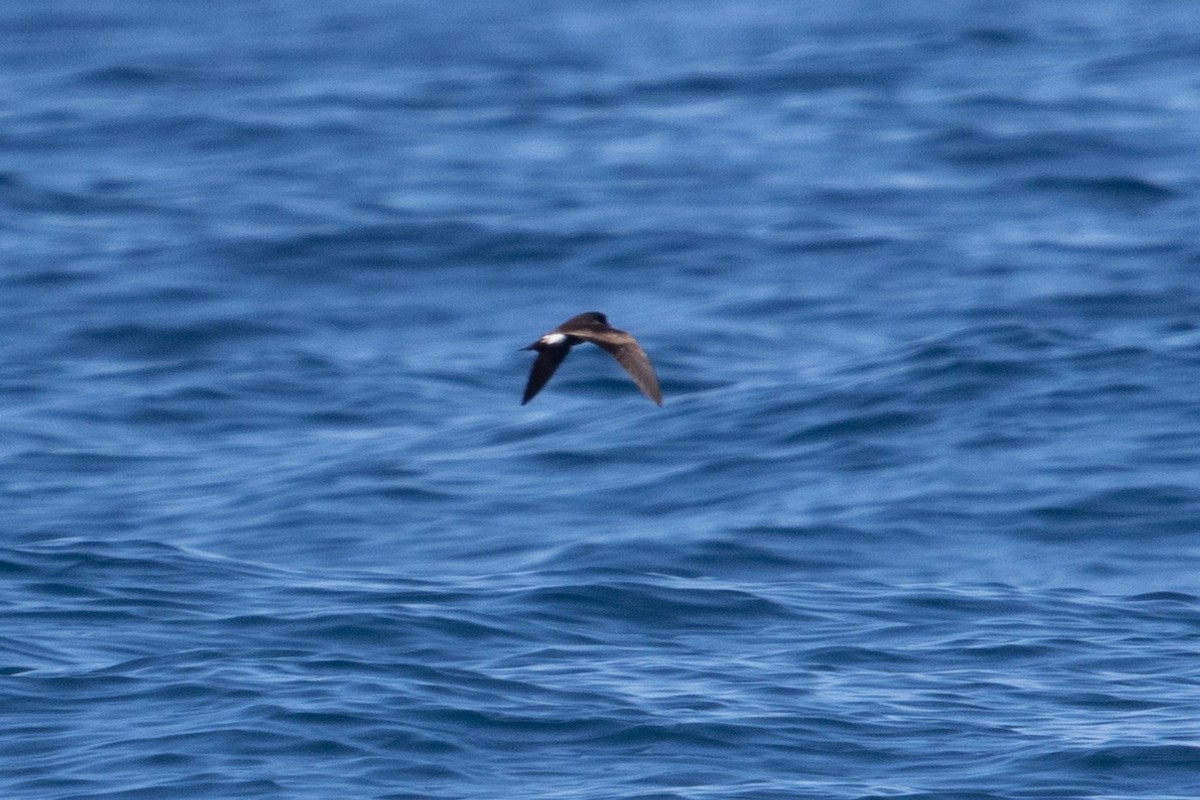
629, 354
544, 365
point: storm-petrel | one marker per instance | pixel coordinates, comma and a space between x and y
590, 327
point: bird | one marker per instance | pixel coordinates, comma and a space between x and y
591, 326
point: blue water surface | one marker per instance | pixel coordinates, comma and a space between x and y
920, 515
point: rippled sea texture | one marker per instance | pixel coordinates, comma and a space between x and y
919, 517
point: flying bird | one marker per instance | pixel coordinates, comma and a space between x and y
592, 327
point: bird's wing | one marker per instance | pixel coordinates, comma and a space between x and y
544, 365
629, 354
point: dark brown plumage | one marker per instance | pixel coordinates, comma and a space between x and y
592, 327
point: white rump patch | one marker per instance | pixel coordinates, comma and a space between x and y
553, 338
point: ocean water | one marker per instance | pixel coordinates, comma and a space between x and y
919, 517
